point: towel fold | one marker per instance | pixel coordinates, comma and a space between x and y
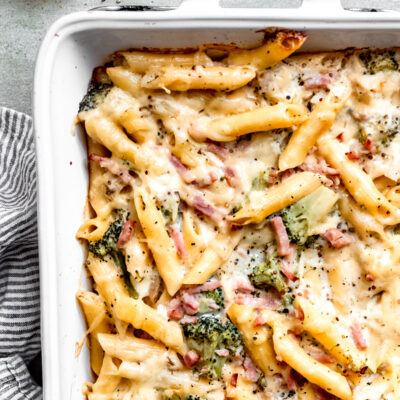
19, 263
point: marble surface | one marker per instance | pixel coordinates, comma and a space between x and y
23, 24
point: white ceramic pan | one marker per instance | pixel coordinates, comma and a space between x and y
73, 46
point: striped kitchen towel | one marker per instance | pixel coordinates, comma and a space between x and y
19, 266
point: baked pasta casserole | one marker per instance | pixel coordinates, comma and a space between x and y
243, 223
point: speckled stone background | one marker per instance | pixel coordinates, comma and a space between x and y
23, 24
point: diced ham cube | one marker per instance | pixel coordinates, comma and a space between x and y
337, 238
177, 237
259, 320
190, 304
182, 170
113, 166
251, 373
352, 155
319, 81
281, 236
126, 234
191, 358
358, 337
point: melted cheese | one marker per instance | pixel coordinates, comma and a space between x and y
356, 284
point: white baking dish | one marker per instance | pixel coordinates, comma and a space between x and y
73, 46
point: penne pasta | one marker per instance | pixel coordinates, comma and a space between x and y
257, 339
358, 183
306, 135
140, 61
290, 352
262, 204
95, 312
269, 54
183, 79
325, 331
160, 244
261, 119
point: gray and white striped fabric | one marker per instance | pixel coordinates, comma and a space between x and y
19, 266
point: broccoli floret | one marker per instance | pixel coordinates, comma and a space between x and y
217, 295
206, 336
107, 247
108, 243
305, 214
379, 60
259, 182
268, 274
287, 303
388, 133
94, 96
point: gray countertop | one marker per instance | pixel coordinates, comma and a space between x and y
23, 24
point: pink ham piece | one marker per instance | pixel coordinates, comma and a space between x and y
259, 320
182, 170
221, 152
234, 379
321, 356
231, 177
175, 314
126, 234
212, 305
174, 309
191, 358
288, 262
370, 146
190, 303
281, 236
319, 81
200, 203
177, 237
321, 167
358, 338
250, 370
243, 284
337, 238
113, 166
352, 155
222, 352
291, 383
258, 302
188, 319
205, 287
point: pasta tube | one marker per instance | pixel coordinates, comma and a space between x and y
307, 134
277, 197
95, 311
160, 244
269, 54
329, 335
358, 183
256, 339
315, 372
110, 285
140, 61
182, 79
261, 119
